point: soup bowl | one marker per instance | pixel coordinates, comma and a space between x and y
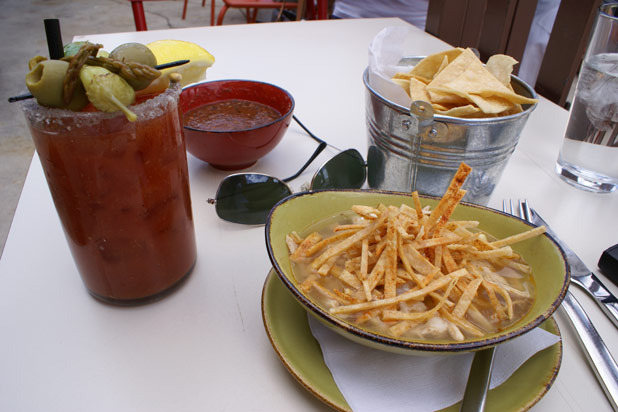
233, 148
299, 212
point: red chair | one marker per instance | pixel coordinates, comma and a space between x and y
311, 9
251, 7
138, 14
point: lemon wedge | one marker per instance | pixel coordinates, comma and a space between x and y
172, 50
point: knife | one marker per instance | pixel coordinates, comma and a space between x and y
582, 276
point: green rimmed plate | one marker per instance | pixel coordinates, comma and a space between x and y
287, 327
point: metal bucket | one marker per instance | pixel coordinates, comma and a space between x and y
411, 149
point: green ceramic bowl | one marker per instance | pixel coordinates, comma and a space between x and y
300, 211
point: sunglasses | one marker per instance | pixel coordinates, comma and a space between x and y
247, 198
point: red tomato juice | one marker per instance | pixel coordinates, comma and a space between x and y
121, 190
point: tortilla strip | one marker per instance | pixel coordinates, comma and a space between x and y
349, 242
390, 269
466, 298
519, 237
409, 295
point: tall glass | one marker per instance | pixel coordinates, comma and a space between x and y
121, 190
588, 158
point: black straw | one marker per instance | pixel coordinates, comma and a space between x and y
171, 64
54, 38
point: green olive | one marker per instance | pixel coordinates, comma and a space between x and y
134, 52
45, 82
34, 61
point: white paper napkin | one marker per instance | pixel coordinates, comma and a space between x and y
373, 380
385, 52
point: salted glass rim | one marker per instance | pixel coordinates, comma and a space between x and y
148, 109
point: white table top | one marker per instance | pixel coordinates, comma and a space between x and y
204, 347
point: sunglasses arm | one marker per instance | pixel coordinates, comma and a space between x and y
315, 154
314, 137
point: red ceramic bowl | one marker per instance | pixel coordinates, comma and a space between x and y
232, 150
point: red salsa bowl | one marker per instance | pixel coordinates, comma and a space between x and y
232, 123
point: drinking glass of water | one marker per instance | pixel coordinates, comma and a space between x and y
588, 158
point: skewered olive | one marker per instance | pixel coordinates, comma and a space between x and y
138, 53
34, 61
45, 82
134, 52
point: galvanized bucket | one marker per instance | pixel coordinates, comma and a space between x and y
411, 149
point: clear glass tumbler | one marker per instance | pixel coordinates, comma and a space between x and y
588, 158
121, 190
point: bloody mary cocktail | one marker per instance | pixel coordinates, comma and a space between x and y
121, 190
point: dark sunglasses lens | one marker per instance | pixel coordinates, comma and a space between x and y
344, 171
248, 198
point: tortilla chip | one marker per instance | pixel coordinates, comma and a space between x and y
501, 66
418, 91
457, 84
460, 111
429, 66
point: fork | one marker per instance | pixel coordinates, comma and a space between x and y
599, 357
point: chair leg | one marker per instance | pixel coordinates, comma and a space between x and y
212, 12
184, 10
138, 15
253, 13
221, 15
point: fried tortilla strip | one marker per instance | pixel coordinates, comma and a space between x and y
349, 279
409, 295
390, 261
291, 244
507, 299
326, 267
400, 328
406, 264
364, 263
367, 212
435, 241
329, 240
417, 205
308, 283
332, 295
390, 315
505, 251
418, 262
449, 262
452, 192
437, 256
519, 237
462, 323
375, 276
466, 298
356, 226
495, 303
370, 314
305, 245
349, 242
501, 283
464, 224
449, 209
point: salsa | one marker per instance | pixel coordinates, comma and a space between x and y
230, 115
